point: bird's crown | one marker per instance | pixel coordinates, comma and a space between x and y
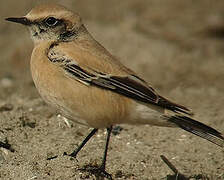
59, 12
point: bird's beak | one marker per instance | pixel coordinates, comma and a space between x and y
20, 20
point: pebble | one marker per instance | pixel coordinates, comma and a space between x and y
6, 82
6, 107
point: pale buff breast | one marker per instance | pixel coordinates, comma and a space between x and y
88, 105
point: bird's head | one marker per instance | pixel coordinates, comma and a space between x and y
51, 22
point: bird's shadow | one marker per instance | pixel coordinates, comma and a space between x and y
176, 177
96, 170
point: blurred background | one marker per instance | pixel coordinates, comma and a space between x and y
177, 46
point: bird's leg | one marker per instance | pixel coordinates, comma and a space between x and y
98, 171
101, 170
75, 152
103, 165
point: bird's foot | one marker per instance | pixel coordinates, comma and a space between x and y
72, 155
97, 171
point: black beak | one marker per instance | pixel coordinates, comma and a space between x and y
20, 20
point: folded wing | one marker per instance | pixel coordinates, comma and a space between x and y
130, 86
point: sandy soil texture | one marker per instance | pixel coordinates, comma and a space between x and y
175, 45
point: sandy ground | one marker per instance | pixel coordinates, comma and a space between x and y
175, 45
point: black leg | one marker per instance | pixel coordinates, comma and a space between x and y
103, 165
75, 152
100, 170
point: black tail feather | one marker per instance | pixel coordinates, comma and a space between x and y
198, 129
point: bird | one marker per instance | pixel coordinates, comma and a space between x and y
76, 75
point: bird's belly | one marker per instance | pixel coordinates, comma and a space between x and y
53, 95
81, 103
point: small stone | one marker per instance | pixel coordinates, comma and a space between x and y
6, 82
117, 130
1, 157
6, 107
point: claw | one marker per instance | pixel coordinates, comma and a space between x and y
97, 171
73, 156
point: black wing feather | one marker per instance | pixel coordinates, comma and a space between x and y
135, 89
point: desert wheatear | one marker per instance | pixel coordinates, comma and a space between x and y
88, 85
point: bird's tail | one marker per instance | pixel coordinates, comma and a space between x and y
198, 129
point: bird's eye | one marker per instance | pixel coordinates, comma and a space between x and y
51, 21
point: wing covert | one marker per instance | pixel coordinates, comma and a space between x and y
130, 85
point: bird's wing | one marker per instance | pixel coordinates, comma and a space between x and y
129, 85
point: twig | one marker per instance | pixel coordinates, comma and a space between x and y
168, 163
177, 174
